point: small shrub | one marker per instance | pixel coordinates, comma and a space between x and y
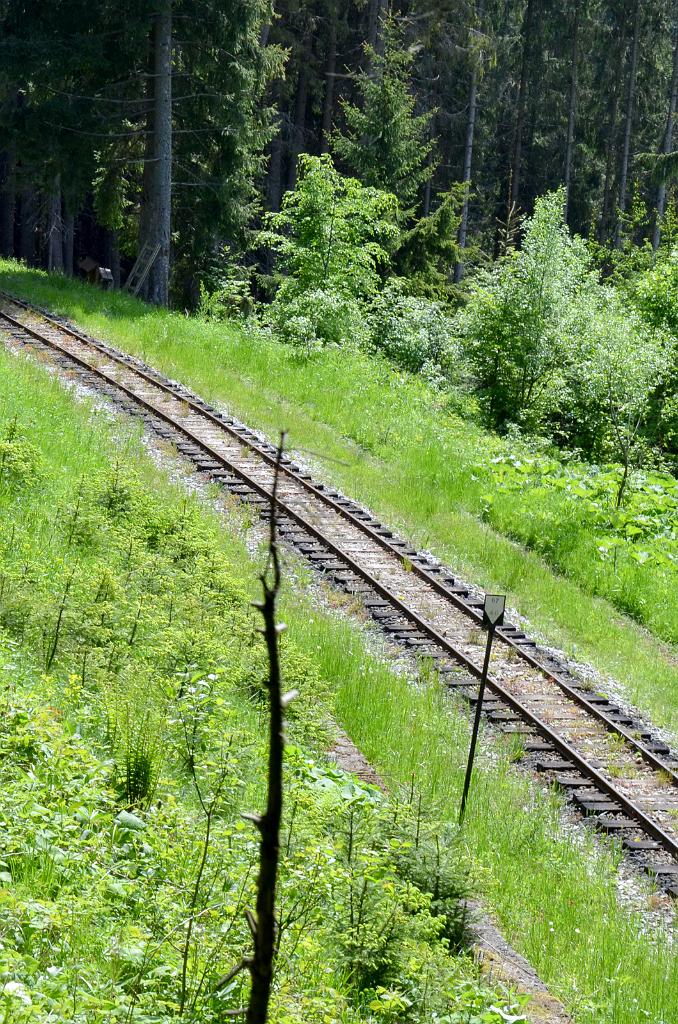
19, 459
231, 300
313, 319
412, 331
141, 763
134, 735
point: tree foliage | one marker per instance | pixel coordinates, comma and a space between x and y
553, 350
519, 327
332, 231
385, 142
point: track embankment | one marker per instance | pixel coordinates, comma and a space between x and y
615, 770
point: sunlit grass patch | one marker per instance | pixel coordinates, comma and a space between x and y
388, 440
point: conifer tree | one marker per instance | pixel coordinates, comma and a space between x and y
385, 143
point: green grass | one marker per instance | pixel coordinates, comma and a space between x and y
388, 441
128, 653
555, 896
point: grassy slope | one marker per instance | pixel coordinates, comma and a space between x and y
139, 579
386, 441
554, 895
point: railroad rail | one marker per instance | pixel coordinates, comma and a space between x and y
625, 788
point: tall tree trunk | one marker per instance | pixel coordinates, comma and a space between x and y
375, 34
7, 203
147, 213
617, 66
274, 177
69, 238
528, 33
667, 144
374, 26
628, 124
156, 220
330, 75
29, 217
468, 161
607, 201
572, 106
55, 230
300, 105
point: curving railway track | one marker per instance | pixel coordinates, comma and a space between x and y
615, 770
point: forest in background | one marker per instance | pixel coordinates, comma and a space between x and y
481, 192
179, 125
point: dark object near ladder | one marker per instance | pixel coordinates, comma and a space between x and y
142, 267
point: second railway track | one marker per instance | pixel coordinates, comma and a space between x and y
616, 771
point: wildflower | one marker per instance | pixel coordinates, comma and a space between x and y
18, 991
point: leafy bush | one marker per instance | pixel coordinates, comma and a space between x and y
231, 300
332, 232
555, 351
311, 319
520, 325
608, 398
333, 238
656, 292
414, 332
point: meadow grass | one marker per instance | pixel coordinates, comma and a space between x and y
163, 586
554, 895
387, 440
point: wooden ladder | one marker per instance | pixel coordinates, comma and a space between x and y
141, 269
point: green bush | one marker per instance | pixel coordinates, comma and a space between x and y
520, 327
556, 352
414, 332
656, 292
332, 232
311, 319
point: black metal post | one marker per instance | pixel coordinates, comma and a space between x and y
476, 722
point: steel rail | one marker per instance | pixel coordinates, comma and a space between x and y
558, 742
374, 532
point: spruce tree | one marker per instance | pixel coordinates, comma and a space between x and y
385, 143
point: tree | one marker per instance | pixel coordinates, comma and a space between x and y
667, 139
528, 42
628, 120
334, 239
385, 143
626, 366
420, 100
332, 232
262, 923
156, 222
142, 126
572, 103
429, 252
519, 326
475, 52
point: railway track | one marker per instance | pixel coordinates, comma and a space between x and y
615, 770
